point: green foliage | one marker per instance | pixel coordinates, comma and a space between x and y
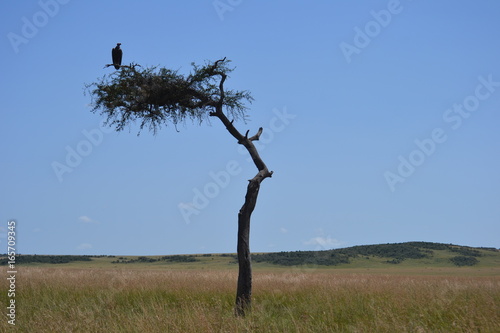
302, 258
398, 251
158, 96
464, 261
465, 251
145, 259
179, 258
492, 249
429, 245
229, 255
46, 259
142, 259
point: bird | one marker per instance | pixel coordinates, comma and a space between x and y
116, 54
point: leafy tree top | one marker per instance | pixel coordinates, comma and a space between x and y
158, 96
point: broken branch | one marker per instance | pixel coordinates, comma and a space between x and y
256, 136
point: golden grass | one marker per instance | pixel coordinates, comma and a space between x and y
122, 300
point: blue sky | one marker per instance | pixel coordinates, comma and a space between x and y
381, 125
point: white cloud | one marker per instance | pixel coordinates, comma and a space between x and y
324, 242
283, 230
86, 219
84, 246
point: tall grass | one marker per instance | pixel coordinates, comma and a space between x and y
101, 300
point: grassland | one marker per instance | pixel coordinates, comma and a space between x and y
141, 298
372, 292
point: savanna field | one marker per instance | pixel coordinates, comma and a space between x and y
101, 296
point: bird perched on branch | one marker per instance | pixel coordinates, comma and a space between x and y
116, 54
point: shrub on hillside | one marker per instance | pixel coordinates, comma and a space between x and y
464, 261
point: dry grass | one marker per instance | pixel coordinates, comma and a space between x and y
113, 300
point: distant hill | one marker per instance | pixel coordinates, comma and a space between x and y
409, 253
394, 253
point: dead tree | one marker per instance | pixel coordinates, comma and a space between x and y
158, 96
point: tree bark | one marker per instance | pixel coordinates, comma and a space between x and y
244, 289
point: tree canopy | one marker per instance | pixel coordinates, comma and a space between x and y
157, 96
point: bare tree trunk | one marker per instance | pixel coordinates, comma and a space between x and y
244, 291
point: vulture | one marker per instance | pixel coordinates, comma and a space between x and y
116, 54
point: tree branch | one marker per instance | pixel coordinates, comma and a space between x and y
256, 136
217, 62
125, 66
247, 142
243, 140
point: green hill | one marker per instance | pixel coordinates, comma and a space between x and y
397, 253
409, 254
